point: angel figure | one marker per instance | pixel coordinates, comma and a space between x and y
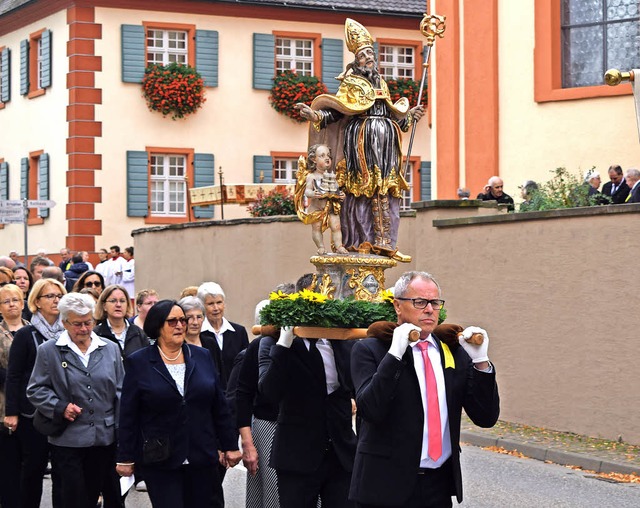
317, 183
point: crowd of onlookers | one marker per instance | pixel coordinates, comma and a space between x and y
622, 187
67, 337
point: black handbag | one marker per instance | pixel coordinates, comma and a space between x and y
155, 450
49, 426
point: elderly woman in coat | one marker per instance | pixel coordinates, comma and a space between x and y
78, 378
174, 417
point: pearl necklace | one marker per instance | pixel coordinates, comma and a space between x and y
167, 358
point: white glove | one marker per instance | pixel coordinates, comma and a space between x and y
286, 336
477, 353
400, 340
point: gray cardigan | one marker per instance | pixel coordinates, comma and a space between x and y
59, 372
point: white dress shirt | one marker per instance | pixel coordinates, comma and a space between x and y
434, 355
96, 342
226, 326
329, 361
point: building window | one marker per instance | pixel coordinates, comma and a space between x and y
407, 196
397, 61
295, 55
284, 170
168, 185
167, 46
598, 35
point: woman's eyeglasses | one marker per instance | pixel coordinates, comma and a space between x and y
51, 296
173, 322
91, 284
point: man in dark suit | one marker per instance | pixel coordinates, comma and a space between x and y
220, 336
314, 443
617, 189
633, 181
410, 399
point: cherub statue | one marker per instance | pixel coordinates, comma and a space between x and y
317, 183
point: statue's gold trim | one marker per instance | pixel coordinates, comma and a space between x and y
353, 259
358, 275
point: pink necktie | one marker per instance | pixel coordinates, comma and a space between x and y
433, 406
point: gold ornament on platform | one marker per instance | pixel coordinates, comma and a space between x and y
326, 287
368, 283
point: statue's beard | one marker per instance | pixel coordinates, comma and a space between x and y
371, 74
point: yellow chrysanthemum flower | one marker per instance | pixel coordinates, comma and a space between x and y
387, 295
278, 296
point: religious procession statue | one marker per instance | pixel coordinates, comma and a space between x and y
363, 129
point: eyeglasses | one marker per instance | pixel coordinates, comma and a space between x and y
3, 284
173, 322
81, 324
51, 296
421, 303
91, 284
9, 301
115, 301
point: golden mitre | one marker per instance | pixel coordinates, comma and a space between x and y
357, 36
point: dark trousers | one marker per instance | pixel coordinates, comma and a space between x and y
433, 489
330, 482
84, 473
34, 455
185, 487
9, 470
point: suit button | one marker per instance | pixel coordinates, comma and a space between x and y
91, 424
90, 400
88, 387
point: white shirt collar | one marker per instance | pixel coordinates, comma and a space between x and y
226, 326
65, 340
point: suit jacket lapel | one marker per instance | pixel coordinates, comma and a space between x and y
159, 367
190, 366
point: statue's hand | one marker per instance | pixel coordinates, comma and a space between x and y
417, 112
306, 112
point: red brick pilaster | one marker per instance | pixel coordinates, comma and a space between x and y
82, 226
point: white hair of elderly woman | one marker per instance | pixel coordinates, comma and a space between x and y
191, 302
209, 289
261, 305
78, 303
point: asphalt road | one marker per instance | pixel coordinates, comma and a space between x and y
491, 480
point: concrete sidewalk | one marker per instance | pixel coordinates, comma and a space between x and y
564, 448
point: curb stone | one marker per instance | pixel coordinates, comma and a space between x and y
538, 452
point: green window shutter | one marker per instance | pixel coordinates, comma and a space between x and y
133, 53
4, 180
425, 180
5, 70
43, 183
332, 64
264, 63
204, 175
24, 178
207, 56
137, 184
24, 67
45, 41
262, 164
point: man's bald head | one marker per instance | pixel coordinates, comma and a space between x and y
495, 186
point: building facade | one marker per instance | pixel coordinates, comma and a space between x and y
76, 128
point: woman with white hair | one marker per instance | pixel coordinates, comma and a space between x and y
229, 338
77, 379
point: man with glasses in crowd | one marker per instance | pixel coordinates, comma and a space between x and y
410, 398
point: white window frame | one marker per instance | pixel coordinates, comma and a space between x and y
407, 196
168, 54
397, 66
289, 57
287, 165
39, 62
167, 180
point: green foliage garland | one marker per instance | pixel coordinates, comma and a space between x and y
305, 310
290, 88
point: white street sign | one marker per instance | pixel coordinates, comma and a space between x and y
10, 203
7, 212
11, 220
41, 203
